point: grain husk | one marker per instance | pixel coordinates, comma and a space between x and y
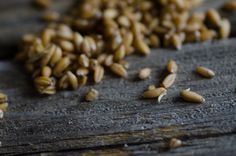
205, 72
191, 96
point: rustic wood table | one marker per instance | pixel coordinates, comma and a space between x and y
120, 122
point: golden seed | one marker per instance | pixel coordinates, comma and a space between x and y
138, 41
85, 47
144, 73
72, 79
46, 71
50, 90
67, 46
205, 72
174, 143
84, 60
98, 74
127, 39
213, 17
93, 63
61, 66
229, 6
207, 35
154, 92
92, 44
101, 58
43, 81
169, 80
92, 95
4, 106
172, 66
119, 70
65, 32
176, 41
124, 21
191, 96
64, 82
78, 39
225, 27
110, 13
109, 60
47, 36
119, 53
57, 55
48, 55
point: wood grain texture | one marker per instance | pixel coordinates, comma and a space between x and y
120, 116
64, 124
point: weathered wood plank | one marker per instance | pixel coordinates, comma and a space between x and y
191, 146
35, 123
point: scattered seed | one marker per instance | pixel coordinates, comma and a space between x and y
119, 70
205, 72
174, 143
144, 73
172, 66
92, 95
154, 93
169, 80
191, 96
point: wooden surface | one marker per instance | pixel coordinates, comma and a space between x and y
120, 122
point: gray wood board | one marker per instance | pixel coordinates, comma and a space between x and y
64, 122
120, 116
